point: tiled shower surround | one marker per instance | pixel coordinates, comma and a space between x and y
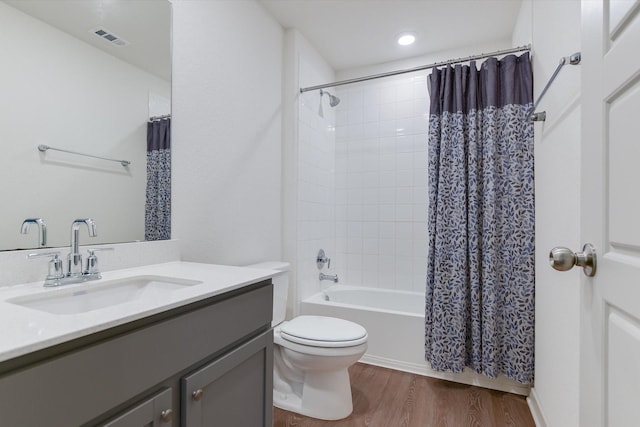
316, 184
381, 191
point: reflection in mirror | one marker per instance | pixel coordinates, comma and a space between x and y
67, 87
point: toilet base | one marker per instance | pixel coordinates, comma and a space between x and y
325, 395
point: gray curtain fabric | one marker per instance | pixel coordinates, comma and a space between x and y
480, 283
158, 206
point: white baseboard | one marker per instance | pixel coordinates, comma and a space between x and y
467, 377
536, 411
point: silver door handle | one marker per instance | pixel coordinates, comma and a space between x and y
563, 259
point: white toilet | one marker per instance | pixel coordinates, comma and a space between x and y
311, 357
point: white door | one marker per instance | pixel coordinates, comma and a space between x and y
610, 217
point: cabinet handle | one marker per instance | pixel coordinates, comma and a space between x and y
166, 415
197, 394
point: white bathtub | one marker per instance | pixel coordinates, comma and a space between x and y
394, 321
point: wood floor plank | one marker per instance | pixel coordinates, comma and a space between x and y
388, 398
426, 400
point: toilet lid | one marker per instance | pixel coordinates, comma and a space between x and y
322, 331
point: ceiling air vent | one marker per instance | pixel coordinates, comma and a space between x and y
109, 36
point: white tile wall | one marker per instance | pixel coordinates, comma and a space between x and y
316, 184
381, 183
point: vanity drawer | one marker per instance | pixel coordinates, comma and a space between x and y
154, 411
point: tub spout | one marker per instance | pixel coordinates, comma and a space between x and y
333, 278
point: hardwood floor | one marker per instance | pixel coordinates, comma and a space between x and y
388, 398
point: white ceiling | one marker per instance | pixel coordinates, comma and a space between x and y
347, 33
146, 25
355, 33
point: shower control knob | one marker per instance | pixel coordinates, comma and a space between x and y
563, 259
322, 259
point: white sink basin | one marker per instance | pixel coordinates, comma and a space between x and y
96, 295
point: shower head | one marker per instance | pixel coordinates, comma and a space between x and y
333, 100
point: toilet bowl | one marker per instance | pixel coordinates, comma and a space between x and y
312, 355
310, 373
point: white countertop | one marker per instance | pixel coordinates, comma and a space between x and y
25, 330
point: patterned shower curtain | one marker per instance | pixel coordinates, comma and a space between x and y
480, 282
157, 216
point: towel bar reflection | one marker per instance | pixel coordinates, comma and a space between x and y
44, 148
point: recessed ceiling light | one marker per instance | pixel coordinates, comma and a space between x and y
406, 39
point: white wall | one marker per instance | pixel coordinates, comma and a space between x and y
553, 28
227, 113
59, 91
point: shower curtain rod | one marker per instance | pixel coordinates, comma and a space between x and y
154, 118
420, 68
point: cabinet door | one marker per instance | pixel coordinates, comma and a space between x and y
154, 412
235, 390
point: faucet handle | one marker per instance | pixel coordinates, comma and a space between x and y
109, 248
43, 254
92, 261
322, 259
55, 266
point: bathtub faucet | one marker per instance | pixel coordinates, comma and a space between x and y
329, 277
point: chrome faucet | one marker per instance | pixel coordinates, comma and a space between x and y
333, 278
75, 273
75, 258
42, 229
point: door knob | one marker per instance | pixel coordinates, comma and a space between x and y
563, 259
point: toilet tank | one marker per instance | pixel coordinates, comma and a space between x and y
280, 288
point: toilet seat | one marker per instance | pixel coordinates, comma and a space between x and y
323, 331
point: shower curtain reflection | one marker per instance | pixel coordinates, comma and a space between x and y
158, 204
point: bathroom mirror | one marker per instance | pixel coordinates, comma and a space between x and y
83, 76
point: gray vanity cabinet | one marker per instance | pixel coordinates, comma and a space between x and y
230, 391
143, 373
